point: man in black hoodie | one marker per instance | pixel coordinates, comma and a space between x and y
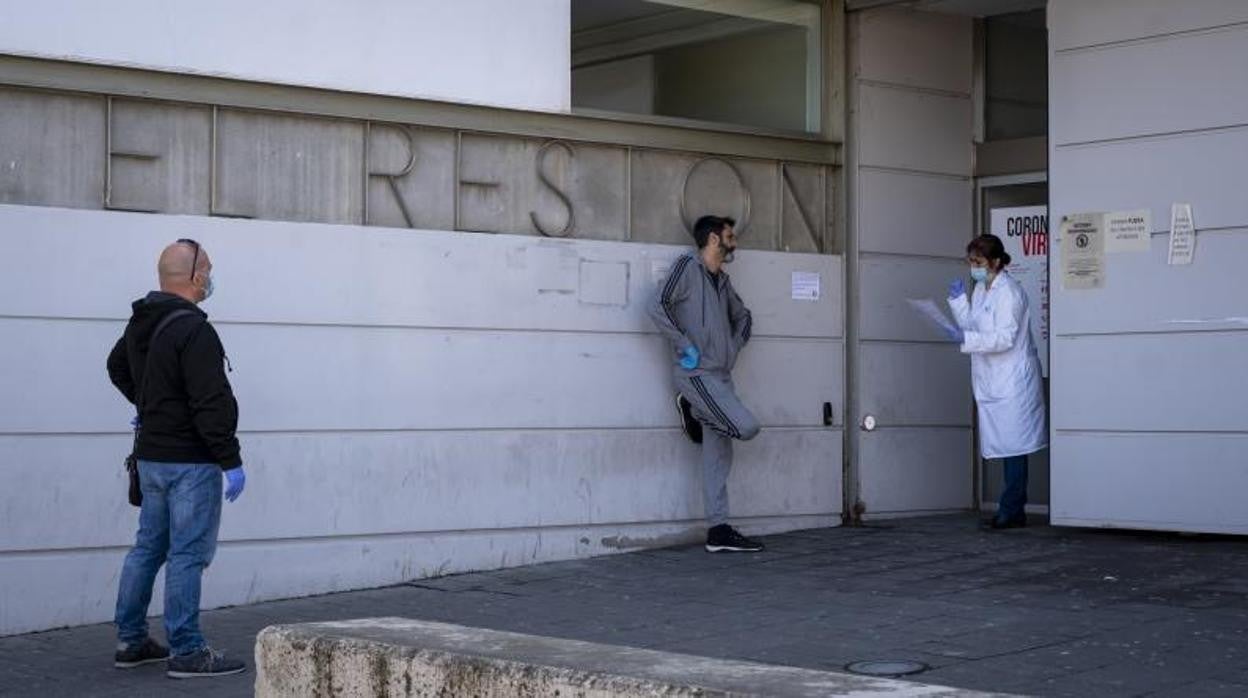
171, 365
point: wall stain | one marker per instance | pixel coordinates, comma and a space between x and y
691, 535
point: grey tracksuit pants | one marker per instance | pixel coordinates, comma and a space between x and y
724, 418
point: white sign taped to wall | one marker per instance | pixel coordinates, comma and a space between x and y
1128, 231
1083, 251
1024, 230
805, 285
1182, 234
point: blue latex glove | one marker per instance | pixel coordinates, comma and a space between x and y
955, 335
957, 289
689, 358
235, 480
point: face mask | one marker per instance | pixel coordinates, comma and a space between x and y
980, 274
208, 288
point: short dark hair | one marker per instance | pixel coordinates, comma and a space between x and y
989, 247
707, 225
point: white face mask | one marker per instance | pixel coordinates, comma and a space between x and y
208, 288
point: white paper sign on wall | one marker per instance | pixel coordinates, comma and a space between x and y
1128, 231
805, 286
1182, 234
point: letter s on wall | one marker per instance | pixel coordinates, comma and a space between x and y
545, 179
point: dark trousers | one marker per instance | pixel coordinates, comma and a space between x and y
1011, 506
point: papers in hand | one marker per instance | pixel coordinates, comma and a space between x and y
928, 309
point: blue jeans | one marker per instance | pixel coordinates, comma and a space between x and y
1011, 506
177, 525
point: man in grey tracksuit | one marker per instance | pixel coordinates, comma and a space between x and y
707, 324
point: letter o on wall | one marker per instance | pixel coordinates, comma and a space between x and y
743, 218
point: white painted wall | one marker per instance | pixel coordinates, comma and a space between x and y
910, 131
412, 403
1148, 108
496, 52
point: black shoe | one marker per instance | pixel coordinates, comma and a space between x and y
725, 539
996, 524
691, 426
205, 662
146, 652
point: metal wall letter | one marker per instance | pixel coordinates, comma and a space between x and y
743, 220
539, 161
109, 154
807, 219
214, 170
460, 182
393, 177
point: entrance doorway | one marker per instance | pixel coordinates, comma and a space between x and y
1015, 194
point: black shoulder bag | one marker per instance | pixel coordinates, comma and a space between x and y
132, 461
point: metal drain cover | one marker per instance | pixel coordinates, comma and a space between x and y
886, 667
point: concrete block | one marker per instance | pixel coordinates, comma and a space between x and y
401, 657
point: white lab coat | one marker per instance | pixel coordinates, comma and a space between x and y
1005, 369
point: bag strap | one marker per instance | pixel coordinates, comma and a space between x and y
151, 345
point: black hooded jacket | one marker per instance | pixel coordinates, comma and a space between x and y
189, 413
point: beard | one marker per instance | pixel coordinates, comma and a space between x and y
729, 254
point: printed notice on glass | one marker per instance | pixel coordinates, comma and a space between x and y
1182, 234
1083, 251
805, 285
1128, 231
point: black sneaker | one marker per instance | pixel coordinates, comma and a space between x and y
205, 662
725, 539
995, 524
691, 426
146, 652
1016, 522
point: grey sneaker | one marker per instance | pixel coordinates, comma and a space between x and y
146, 652
204, 662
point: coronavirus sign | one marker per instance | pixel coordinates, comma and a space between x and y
1025, 232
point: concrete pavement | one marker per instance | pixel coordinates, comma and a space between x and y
1042, 611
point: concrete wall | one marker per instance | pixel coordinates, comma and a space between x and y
626, 85
1147, 108
74, 149
1015, 76
412, 403
910, 163
496, 52
757, 79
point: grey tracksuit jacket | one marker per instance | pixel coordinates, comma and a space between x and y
692, 307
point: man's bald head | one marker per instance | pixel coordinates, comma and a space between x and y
184, 268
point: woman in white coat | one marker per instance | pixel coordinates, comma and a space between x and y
995, 329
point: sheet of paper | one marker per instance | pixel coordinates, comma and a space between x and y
928, 309
1128, 231
1182, 234
805, 286
1083, 251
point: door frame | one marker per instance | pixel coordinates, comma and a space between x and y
980, 223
